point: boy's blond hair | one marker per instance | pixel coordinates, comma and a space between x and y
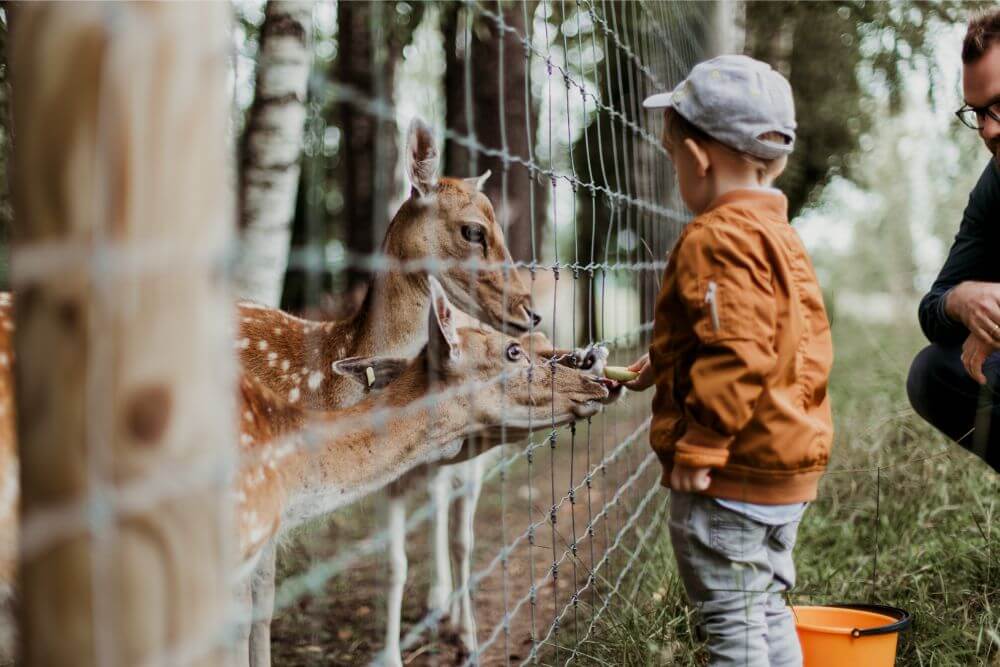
677, 128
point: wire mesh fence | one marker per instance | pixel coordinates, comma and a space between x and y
531, 525
584, 189
584, 192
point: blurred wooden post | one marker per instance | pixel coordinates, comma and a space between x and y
124, 361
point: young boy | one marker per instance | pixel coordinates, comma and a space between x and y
741, 356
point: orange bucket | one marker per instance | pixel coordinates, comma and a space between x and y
859, 635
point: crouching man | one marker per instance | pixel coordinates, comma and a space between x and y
954, 383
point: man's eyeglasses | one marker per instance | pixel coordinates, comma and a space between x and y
975, 117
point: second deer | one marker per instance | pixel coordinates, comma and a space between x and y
297, 463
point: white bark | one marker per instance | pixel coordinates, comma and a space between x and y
272, 145
729, 29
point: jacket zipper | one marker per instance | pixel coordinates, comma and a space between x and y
711, 298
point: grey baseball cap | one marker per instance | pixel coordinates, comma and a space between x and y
735, 100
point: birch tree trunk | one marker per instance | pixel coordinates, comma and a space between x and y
272, 145
124, 359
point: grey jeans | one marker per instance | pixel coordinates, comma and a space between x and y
735, 570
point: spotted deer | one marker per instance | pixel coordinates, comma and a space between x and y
298, 463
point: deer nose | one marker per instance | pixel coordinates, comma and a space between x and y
535, 317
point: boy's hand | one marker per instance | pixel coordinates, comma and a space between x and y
688, 480
645, 371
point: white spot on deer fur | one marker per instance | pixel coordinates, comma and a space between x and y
4, 298
246, 320
243, 343
246, 438
262, 345
271, 356
277, 331
248, 415
304, 371
293, 395
285, 364
315, 379
4, 359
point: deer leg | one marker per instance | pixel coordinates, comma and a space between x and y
441, 586
262, 593
397, 580
244, 600
472, 477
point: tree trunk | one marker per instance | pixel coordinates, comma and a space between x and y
498, 94
270, 151
614, 158
367, 62
124, 365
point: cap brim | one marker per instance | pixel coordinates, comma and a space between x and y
658, 101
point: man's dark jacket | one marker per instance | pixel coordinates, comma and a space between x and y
975, 255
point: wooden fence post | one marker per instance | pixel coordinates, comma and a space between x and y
123, 208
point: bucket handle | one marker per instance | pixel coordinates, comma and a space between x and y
905, 619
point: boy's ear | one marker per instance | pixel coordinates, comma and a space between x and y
701, 159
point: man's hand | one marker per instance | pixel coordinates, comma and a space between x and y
974, 353
977, 306
645, 371
687, 479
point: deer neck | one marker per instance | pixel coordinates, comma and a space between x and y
355, 461
392, 318
294, 357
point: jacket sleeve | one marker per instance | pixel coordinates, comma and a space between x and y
728, 293
970, 258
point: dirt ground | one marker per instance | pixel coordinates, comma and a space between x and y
343, 624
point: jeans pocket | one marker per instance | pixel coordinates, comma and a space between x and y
782, 538
734, 536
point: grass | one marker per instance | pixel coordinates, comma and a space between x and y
937, 537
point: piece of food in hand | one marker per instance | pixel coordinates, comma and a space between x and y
619, 373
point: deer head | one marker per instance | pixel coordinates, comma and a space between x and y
451, 220
505, 386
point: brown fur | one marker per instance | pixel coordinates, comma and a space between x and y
282, 445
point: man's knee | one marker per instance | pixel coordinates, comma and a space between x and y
922, 379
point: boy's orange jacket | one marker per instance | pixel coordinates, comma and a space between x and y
742, 353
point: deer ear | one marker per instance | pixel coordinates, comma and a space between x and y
442, 332
421, 158
371, 372
479, 182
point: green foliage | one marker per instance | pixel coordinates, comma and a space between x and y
837, 55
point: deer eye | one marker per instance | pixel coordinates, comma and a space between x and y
474, 234
514, 352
